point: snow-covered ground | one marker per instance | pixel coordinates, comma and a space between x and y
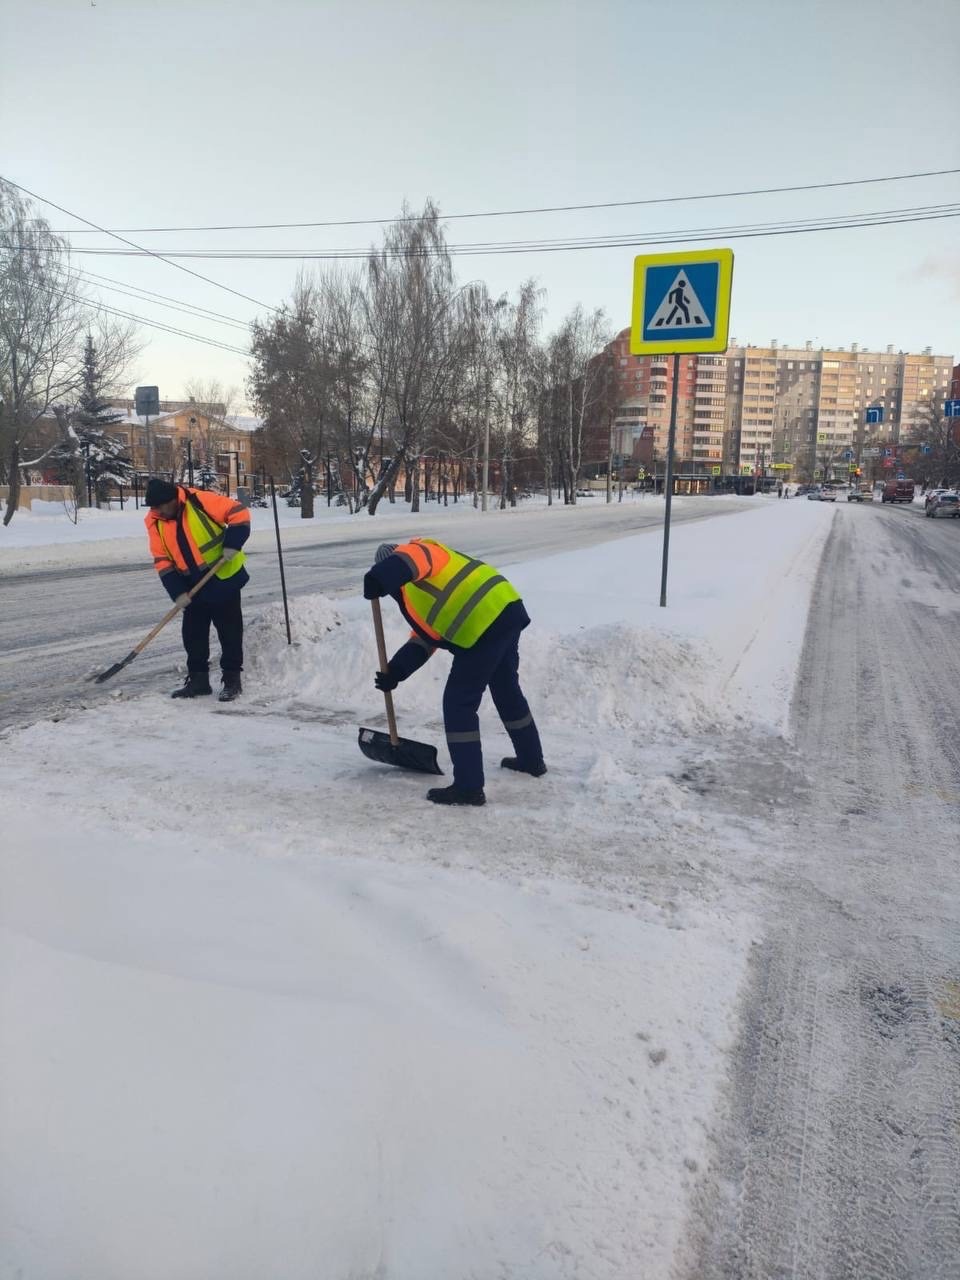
267, 1012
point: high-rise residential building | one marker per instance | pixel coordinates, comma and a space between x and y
756, 408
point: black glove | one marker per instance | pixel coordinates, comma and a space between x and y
373, 589
385, 682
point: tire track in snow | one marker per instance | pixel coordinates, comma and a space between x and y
841, 1155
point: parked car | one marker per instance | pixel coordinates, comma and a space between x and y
828, 493
944, 504
899, 491
813, 493
933, 495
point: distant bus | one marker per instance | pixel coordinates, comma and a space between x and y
899, 491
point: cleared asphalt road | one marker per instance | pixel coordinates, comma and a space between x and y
57, 625
841, 1157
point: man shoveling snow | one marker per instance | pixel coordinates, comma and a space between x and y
454, 602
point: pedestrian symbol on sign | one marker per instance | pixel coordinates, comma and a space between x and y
681, 308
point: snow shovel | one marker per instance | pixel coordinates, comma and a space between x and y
118, 666
387, 748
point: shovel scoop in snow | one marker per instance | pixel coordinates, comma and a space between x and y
388, 748
402, 752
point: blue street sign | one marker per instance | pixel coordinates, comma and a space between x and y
681, 302
875, 413
951, 408
901, 475
848, 455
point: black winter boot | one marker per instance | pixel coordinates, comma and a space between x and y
231, 686
456, 795
535, 770
196, 685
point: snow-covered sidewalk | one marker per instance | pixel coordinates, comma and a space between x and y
266, 1012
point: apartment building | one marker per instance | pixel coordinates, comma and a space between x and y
794, 409
645, 390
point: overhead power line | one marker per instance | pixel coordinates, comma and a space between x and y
154, 324
883, 217
139, 248
557, 208
202, 312
186, 309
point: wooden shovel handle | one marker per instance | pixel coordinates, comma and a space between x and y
170, 614
176, 608
382, 655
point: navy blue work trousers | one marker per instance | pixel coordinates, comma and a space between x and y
491, 664
227, 617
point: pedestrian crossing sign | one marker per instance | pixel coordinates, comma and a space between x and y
681, 302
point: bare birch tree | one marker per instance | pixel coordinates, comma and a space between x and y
416, 335
45, 318
582, 383
518, 351
937, 440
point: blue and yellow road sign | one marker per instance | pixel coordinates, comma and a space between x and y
681, 302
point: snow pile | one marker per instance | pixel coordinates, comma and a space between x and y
661, 681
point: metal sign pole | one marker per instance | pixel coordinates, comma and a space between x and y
283, 581
668, 482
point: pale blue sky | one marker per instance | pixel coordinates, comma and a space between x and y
138, 114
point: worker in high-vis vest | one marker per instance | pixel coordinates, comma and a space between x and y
455, 602
189, 530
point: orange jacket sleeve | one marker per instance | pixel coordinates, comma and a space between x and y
162, 560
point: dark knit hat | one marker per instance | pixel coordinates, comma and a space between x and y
159, 492
385, 549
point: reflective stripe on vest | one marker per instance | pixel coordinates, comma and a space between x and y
459, 603
207, 535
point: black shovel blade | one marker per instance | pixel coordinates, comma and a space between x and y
404, 753
111, 671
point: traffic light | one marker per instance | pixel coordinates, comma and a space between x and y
858, 472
